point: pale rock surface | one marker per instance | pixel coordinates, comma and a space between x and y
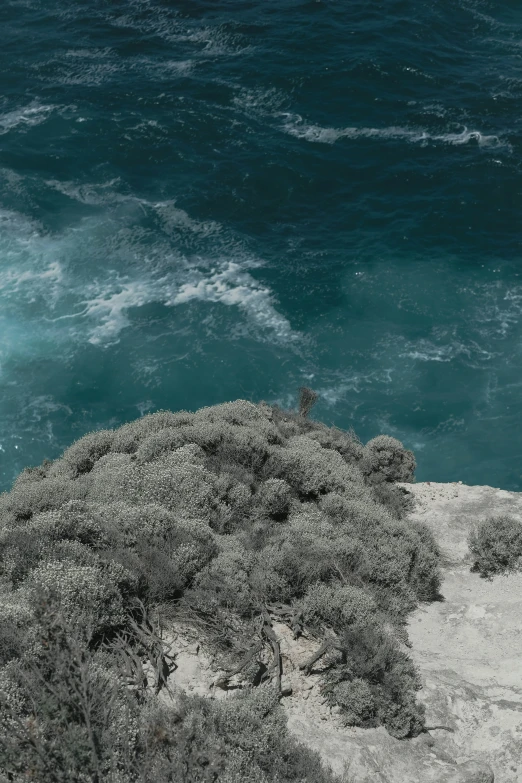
468, 648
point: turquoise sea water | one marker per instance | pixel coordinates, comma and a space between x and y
206, 201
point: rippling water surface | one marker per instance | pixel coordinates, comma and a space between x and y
205, 201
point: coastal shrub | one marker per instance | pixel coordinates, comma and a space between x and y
15, 623
171, 568
267, 583
88, 594
164, 550
226, 577
238, 413
387, 456
29, 498
207, 435
397, 603
274, 497
20, 552
64, 716
496, 545
356, 699
34, 474
233, 491
154, 445
296, 561
216, 514
175, 480
25, 547
155, 576
346, 444
160, 573
11, 642
125, 523
373, 656
362, 514
395, 499
424, 575
400, 556
81, 456
308, 468
69, 550
396, 551
337, 605
244, 738
290, 423
232, 504
105, 735
115, 477
245, 446
73, 522
336, 505
390, 556
128, 437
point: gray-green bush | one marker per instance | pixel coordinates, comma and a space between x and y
224, 517
496, 545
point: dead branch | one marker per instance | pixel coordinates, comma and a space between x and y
328, 644
222, 681
268, 631
289, 614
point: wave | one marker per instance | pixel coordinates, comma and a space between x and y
106, 303
28, 116
295, 126
46, 279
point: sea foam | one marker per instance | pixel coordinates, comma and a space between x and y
295, 126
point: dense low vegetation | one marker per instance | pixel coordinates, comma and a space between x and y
496, 546
229, 517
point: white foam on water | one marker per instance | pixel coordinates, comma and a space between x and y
99, 193
174, 219
80, 73
105, 303
29, 282
25, 117
295, 126
210, 41
80, 295
216, 40
498, 308
230, 285
259, 100
417, 72
356, 382
176, 67
40, 407
51, 277
89, 53
19, 237
434, 109
427, 352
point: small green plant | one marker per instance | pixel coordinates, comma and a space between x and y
496, 546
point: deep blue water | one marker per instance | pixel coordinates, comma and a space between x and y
206, 201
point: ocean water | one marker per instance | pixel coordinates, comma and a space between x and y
206, 201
